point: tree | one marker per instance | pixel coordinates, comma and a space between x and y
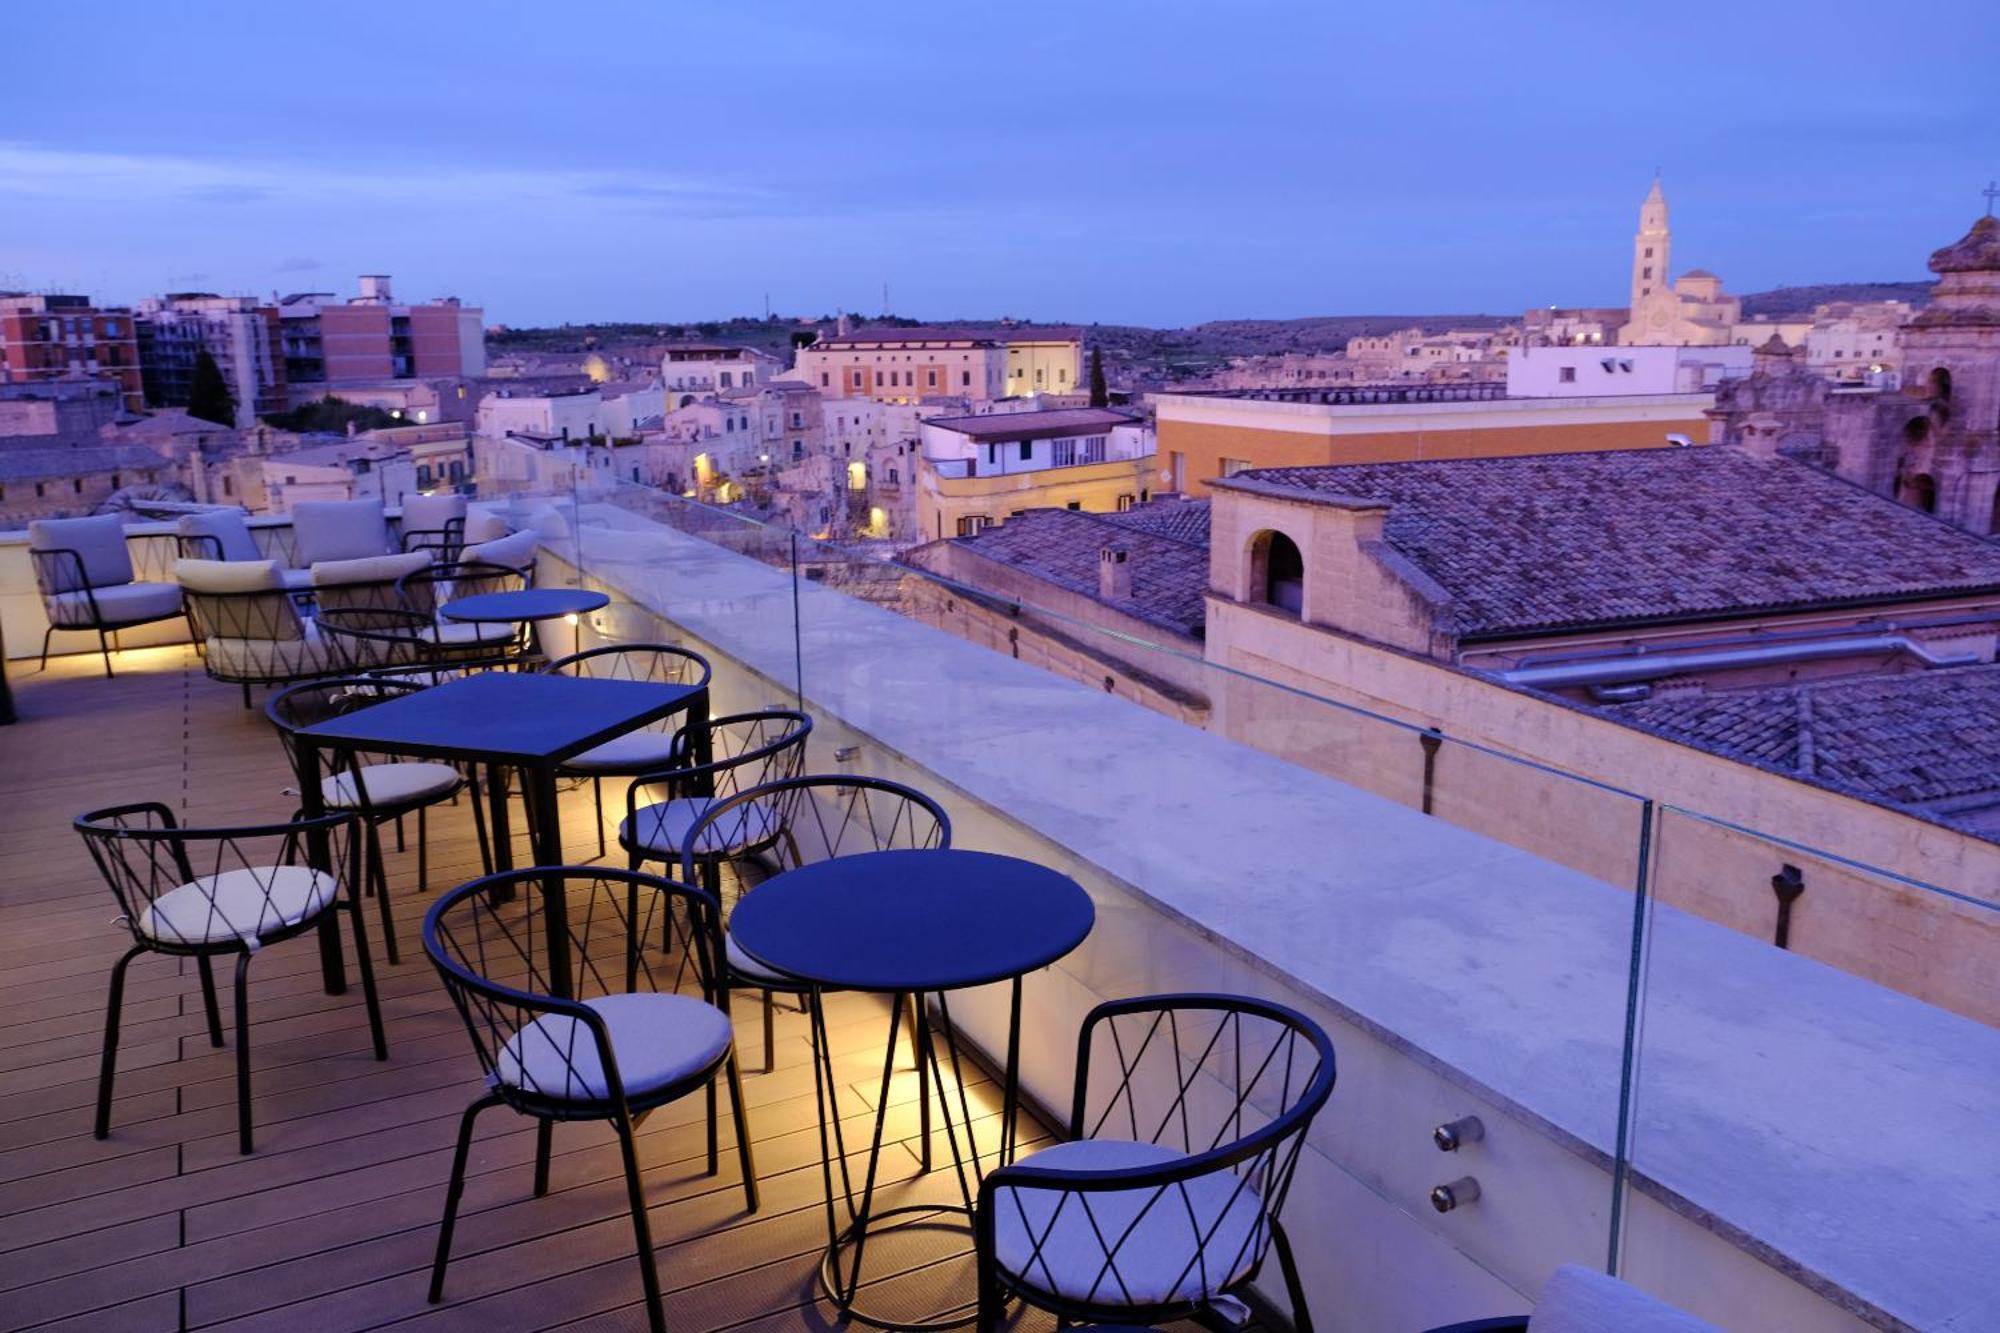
331, 415
1099, 394
208, 395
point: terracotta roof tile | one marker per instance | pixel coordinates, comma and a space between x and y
1567, 540
1168, 541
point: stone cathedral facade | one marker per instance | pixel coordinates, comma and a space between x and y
1933, 443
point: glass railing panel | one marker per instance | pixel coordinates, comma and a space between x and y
1817, 1069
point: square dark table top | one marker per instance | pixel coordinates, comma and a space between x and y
504, 717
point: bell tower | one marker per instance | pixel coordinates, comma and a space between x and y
1649, 251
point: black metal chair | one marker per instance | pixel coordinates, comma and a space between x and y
425, 591
247, 624
577, 1014
791, 822
382, 789
205, 893
1210, 1098
651, 747
712, 760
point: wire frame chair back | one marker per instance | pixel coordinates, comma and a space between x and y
721, 756
301, 706
1226, 1087
426, 590
265, 615
377, 603
209, 890
519, 967
367, 638
648, 663
802, 820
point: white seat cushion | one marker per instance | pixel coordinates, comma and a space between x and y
656, 1040
462, 632
392, 784
664, 828
1218, 1216
243, 904
515, 551
745, 966
634, 752
123, 603
265, 659
1577, 1300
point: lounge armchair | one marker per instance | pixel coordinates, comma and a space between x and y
249, 629
85, 576
434, 523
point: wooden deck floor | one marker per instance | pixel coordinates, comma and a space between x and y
329, 1225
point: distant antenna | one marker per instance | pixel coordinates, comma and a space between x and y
885, 296
1992, 192
767, 305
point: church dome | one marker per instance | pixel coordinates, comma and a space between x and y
1978, 251
1700, 273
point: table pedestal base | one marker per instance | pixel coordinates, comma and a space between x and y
842, 1267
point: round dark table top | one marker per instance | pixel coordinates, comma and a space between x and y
927, 920
524, 604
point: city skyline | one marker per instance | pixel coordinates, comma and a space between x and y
1049, 164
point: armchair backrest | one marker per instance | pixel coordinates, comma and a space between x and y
326, 530
74, 553
368, 583
238, 599
302, 706
516, 550
216, 534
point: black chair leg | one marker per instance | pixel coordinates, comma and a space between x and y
208, 1000
47, 634
366, 965
642, 1231
479, 824
1294, 1292
246, 694
770, 1032
109, 1064
545, 1133
399, 834
243, 1051
423, 850
452, 1193
734, 1073
714, 1131
597, 796
380, 878
104, 646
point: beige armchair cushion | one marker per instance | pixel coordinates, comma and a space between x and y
324, 530
229, 575
485, 526
120, 604
227, 527
515, 551
370, 569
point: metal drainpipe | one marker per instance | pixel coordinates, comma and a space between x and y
1432, 740
1788, 884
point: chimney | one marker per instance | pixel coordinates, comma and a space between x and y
1114, 573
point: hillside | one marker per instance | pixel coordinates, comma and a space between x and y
1781, 302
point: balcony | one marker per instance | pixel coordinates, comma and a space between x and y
1764, 1139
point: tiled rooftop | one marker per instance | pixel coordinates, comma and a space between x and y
1909, 739
1649, 535
1168, 542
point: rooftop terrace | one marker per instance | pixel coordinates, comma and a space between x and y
1765, 1139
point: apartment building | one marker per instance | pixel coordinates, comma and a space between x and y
905, 365
47, 337
243, 335
979, 470
371, 337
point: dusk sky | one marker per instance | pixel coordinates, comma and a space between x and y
1159, 163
